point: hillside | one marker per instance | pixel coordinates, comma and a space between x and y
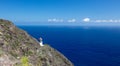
18, 48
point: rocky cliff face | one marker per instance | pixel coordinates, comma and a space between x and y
18, 48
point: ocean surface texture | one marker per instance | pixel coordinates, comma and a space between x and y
84, 46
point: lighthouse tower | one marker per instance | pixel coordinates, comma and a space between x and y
41, 42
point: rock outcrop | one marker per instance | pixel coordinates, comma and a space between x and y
18, 48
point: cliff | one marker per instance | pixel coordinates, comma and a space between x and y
18, 48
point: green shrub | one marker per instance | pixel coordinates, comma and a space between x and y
24, 61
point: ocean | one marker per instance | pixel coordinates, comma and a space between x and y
82, 45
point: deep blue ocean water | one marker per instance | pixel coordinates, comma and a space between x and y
84, 46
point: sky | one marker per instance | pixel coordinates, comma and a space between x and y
60, 11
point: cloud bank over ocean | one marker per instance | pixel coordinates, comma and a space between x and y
101, 20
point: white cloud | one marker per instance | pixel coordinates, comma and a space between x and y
49, 20
97, 20
55, 20
101, 20
86, 19
110, 20
72, 20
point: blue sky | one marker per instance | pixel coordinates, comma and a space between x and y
21, 11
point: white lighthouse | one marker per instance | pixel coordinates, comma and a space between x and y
41, 42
